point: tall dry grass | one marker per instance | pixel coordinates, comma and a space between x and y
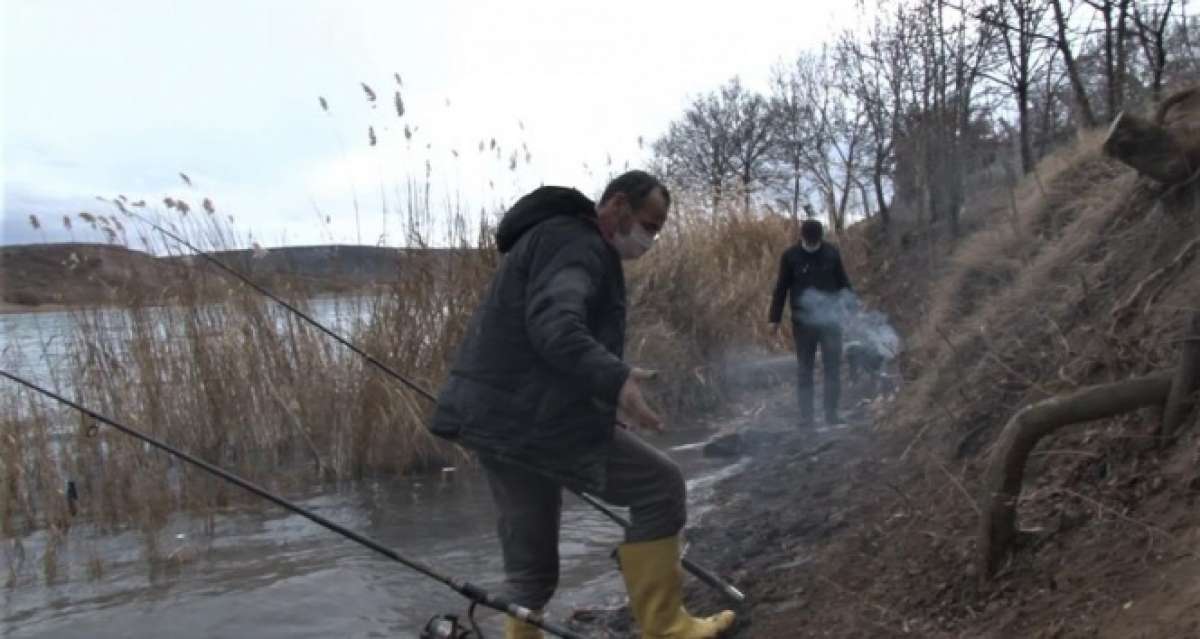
227, 375
698, 302
1025, 308
233, 378
193, 357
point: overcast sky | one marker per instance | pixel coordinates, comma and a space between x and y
108, 98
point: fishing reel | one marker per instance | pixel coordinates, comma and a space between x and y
448, 626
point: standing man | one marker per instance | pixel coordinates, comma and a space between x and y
536, 389
811, 273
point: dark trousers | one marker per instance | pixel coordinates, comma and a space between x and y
530, 504
829, 339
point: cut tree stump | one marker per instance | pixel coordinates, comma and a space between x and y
1006, 468
1153, 150
1183, 388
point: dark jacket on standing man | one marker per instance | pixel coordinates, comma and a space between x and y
800, 270
538, 373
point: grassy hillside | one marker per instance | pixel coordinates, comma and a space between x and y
1085, 273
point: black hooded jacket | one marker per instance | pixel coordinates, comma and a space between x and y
800, 270
537, 375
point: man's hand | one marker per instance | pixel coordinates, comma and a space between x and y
633, 407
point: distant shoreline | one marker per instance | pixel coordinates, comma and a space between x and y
49, 278
8, 308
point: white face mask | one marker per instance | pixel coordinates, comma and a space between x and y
634, 244
811, 248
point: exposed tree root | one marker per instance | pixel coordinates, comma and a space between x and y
1006, 468
1183, 388
1125, 308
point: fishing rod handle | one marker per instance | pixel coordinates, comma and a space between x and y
703, 574
557, 630
478, 594
539, 620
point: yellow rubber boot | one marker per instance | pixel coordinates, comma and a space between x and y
654, 579
516, 629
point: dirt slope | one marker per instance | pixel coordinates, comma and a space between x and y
1085, 273
1089, 276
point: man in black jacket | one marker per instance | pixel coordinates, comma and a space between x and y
812, 275
536, 388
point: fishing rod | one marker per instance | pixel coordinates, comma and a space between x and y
477, 595
698, 571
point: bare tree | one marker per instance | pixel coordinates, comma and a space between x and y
1185, 38
1083, 105
752, 141
1151, 27
695, 151
1021, 20
831, 155
1045, 101
965, 46
1115, 14
947, 52
905, 110
876, 67
793, 130
721, 139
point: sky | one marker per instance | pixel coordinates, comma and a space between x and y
119, 98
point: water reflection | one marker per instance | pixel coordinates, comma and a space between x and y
270, 574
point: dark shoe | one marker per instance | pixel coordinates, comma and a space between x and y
834, 420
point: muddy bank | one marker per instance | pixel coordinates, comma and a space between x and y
857, 532
760, 526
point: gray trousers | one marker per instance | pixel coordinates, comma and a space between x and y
530, 505
829, 340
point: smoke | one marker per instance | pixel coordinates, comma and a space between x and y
755, 366
820, 308
844, 309
750, 367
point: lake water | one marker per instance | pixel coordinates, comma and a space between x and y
267, 573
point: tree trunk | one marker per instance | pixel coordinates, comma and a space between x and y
1110, 67
848, 185
1083, 106
1023, 125
796, 191
1153, 39
831, 207
745, 194
1151, 149
880, 199
1006, 468
1160, 65
1122, 52
1049, 115
839, 221
958, 187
